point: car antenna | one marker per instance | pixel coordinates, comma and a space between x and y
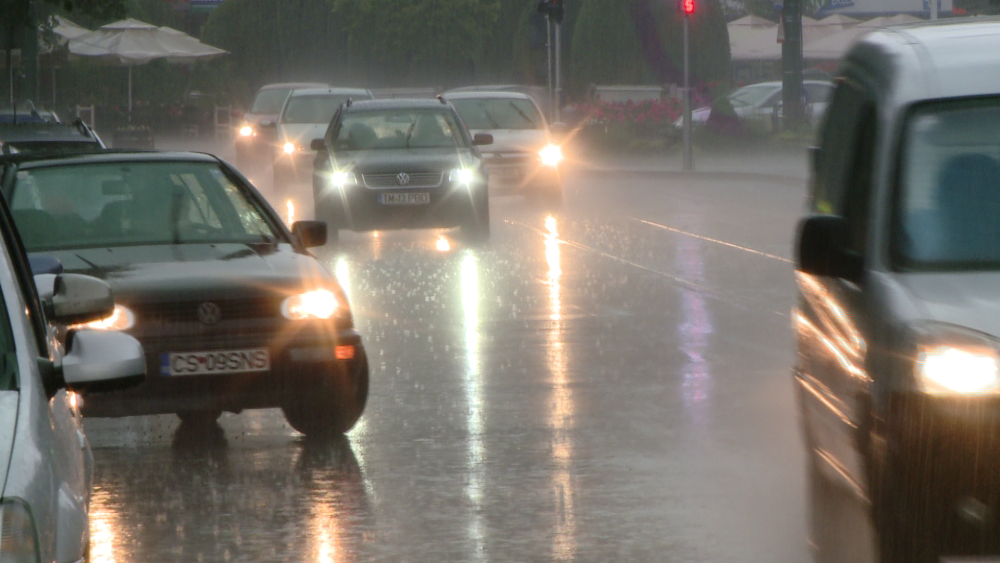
440, 98
348, 102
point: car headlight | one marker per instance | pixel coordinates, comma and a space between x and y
551, 155
289, 147
341, 180
246, 131
18, 536
316, 304
462, 176
954, 361
122, 318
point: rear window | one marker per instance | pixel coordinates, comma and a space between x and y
312, 109
270, 101
498, 113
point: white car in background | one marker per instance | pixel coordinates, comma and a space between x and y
46, 466
759, 102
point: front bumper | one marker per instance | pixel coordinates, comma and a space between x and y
360, 208
301, 350
522, 175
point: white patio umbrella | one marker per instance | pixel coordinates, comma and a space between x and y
131, 42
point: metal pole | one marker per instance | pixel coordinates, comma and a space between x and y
688, 157
548, 45
934, 9
558, 48
130, 93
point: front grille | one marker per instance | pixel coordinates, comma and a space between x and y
416, 180
187, 311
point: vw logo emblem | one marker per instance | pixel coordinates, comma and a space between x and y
403, 178
209, 313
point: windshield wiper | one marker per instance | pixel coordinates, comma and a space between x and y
489, 116
524, 115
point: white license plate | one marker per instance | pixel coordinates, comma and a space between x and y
215, 362
419, 198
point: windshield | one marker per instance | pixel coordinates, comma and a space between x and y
498, 113
312, 109
399, 129
751, 95
134, 203
270, 101
949, 188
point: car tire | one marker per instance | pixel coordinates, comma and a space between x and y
333, 405
199, 418
476, 226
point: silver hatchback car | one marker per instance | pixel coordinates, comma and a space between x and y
898, 318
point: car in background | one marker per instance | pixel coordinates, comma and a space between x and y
232, 310
761, 103
304, 117
36, 136
47, 465
27, 113
254, 145
523, 158
897, 321
390, 164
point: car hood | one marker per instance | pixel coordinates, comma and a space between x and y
256, 118
406, 160
212, 271
8, 419
301, 133
967, 299
514, 140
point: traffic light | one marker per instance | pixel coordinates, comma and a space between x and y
553, 8
687, 7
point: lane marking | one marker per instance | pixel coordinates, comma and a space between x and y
709, 239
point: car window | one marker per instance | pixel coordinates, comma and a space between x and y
817, 93
948, 196
312, 109
398, 129
119, 204
838, 139
498, 113
270, 101
752, 95
8, 356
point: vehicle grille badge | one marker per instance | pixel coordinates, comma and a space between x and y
403, 178
209, 313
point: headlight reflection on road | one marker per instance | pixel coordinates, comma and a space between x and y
474, 400
290, 207
561, 407
103, 529
694, 329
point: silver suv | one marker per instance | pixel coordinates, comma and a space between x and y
898, 317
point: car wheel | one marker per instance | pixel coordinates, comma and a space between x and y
476, 226
199, 418
333, 405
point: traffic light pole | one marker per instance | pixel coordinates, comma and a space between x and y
548, 65
557, 111
791, 62
688, 156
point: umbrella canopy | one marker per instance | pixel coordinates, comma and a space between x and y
131, 42
753, 38
834, 46
62, 31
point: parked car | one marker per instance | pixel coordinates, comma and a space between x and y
232, 310
305, 116
759, 103
401, 164
47, 465
38, 136
523, 158
898, 315
255, 145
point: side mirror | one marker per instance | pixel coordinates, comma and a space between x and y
74, 298
481, 139
822, 249
310, 233
317, 145
103, 361
268, 124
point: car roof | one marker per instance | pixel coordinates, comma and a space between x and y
933, 60
333, 91
479, 94
38, 160
396, 103
291, 85
46, 131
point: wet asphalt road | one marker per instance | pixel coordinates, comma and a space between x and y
606, 383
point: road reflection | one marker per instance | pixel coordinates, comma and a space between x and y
561, 407
694, 329
474, 400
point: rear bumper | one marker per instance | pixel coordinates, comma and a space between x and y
293, 359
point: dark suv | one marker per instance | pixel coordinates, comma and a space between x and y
401, 164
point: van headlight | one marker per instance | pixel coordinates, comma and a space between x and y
18, 536
464, 176
316, 304
341, 180
289, 147
955, 361
550, 155
122, 318
246, 131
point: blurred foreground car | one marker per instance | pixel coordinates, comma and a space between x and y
37, 136
401, 164
759, 102
523, 158
46, 466
254, 145
898, 317
231, 309
304, 117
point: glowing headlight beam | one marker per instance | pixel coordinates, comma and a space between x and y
317, 304
340, 180
551, 155
462, 176
289, 148
946, 369
122, 318
246, 131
